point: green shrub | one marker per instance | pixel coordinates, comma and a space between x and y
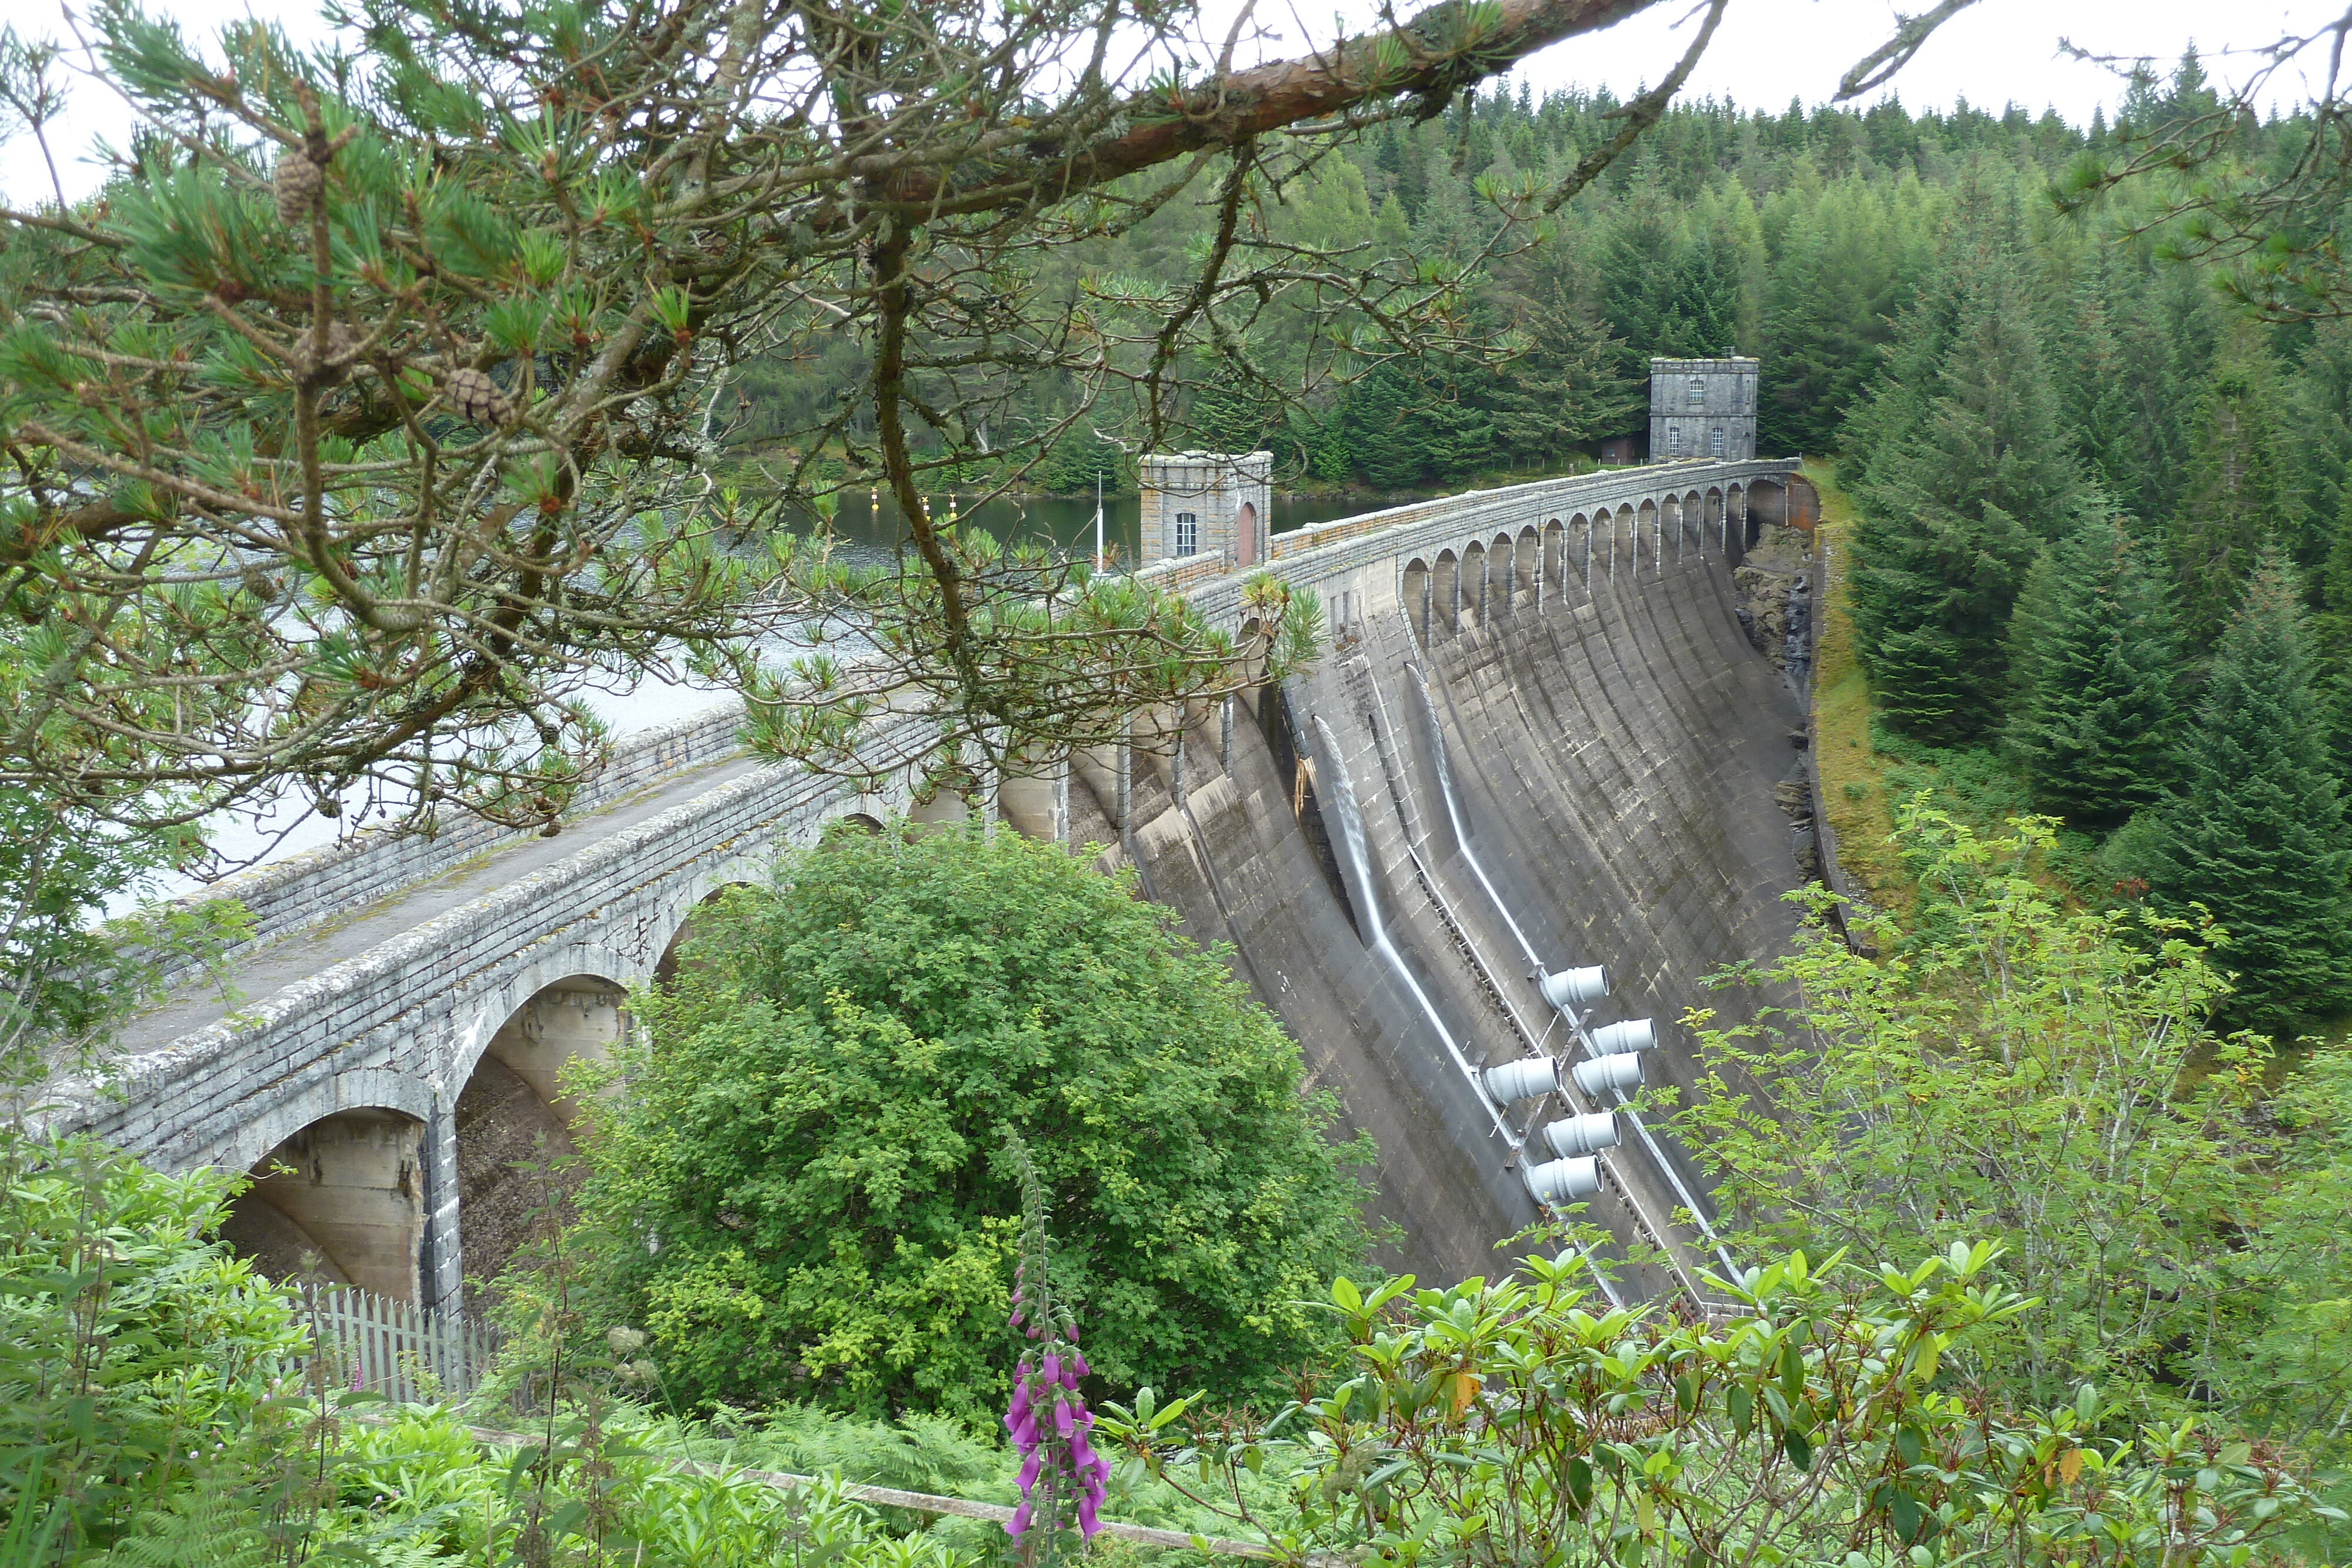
799, 1189
134, 1351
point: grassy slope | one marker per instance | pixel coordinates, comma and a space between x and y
1854, 774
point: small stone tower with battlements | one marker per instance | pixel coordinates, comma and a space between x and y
1205, 503
1702, 408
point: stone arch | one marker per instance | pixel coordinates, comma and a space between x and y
1500, 588
1245, 534
1735, 506
1414, 592
513, 1109
861, 821
1555, 555
342, 1198
1693, 513
1445, 593
1582, 544
1647, 520
1526, 568
681, 931
1252, 648
1474, 582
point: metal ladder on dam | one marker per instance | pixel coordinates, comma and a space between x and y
1584, 1144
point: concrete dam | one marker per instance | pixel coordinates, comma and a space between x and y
1556, 727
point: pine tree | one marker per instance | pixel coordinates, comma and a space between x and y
2256, 832
1968, 471
2231, 508
1230, 415
2333, 640
1569, 388
2095, 727
2095, 391
1826, 307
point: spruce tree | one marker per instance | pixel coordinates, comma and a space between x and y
2333, 640
2231, 503
1569, 389
1970, 471
2255, 833
2094, 730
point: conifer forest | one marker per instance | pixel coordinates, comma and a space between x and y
940, 1191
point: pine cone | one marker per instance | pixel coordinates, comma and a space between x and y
297, 187
477, 398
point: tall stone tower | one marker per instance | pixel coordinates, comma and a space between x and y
1202, 503
1702, 408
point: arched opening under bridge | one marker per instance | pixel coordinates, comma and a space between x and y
343, 1200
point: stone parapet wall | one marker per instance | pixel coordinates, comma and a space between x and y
1312, 556
294, 894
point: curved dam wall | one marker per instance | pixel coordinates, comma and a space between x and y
1531, 745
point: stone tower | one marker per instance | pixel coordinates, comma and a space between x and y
1702, 408
1204, 503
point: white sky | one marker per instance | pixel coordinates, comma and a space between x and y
1765, 52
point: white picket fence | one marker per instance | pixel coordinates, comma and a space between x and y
408, 1354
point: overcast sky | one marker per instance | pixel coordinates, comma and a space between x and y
1766, 52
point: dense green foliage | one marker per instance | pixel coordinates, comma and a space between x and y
2256, 836
1798, 235
161, 1407
803, 1190
131, 1346
163, 1410
1964, 472
2016, 1075
2049, 1080
1831, 1415
2092, 729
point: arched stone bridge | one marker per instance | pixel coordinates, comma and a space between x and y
408, 1003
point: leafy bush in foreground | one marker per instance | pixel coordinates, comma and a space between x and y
1821, 1420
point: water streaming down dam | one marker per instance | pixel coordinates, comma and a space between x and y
1571, 760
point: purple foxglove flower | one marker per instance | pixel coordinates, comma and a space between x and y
1087, 1523
1029, 1472
1019, 1524
1054, 1368
1062, 1420
1078, 1360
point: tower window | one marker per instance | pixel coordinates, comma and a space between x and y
1187, 533
1698, 391
1715, 441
